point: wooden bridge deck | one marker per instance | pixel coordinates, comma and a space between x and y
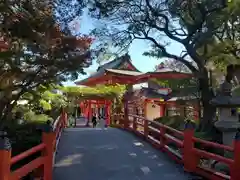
112, 154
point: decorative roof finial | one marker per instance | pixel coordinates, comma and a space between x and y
161, 65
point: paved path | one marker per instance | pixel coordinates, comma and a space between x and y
112, 154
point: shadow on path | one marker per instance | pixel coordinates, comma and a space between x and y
112, 154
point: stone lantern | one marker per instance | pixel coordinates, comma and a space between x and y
228, 121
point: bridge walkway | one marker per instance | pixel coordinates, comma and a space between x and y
111, 154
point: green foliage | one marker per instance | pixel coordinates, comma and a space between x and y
45, 105
112, 91
42, 104
33, 117
175, 122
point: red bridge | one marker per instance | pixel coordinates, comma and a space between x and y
127, 150
133, 147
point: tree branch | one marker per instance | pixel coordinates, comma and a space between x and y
165, 29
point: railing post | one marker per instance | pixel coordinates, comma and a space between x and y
5, 156
64, 118
116, 121
126, 120
134, 124
190, 160
121, 120
145, 127
49, 139
162, 136
234, 169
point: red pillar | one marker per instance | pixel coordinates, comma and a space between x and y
162, 109
81, 106
126, 113
108, 113
89, 109
195, 111
190, 160
5, 158
48, 138
234, 169
97, 108
86, 109
145, 108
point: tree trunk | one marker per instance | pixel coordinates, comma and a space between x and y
209, 112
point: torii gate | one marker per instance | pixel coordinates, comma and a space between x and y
87, 107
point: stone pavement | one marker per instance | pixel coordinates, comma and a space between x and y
112, 154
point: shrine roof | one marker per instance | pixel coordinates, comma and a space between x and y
151, 93
124, 72
116, 63
114, 66
164, 69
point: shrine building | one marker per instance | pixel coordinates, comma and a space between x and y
145, 97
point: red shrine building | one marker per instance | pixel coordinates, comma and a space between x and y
145, 97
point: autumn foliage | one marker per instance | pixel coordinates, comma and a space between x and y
36, 51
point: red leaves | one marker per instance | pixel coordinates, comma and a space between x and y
60, 39
3, 45
83, 42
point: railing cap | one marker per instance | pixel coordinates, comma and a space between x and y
189, 125
4, 141
48, 127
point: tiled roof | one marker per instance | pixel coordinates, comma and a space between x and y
111, 66
125, 72
165, 70
114, 64
153, 94
173, 96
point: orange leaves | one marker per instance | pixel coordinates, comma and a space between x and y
84, 42
59, 38
54, 32
3, 45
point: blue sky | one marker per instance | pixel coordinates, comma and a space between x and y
136, 50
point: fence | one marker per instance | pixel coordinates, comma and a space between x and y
50, 138
184, 143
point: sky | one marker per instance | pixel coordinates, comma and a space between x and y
137, 48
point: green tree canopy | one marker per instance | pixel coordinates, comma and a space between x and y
102, 91
192, 24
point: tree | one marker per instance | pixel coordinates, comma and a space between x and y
38, 53
193, 24
67, 14
42, 105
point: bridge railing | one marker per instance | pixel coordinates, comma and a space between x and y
43, 163
182, 146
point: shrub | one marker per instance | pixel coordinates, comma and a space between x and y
176, 122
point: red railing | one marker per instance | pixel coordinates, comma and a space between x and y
185, 150
43, 163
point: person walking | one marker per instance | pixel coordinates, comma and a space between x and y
101, 122
94, 121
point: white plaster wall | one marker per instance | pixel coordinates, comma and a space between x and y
139, 86
152, 113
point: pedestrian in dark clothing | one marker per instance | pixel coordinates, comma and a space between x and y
94, 121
